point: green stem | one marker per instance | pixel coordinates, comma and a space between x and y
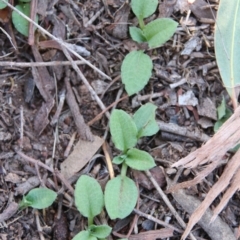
124, 170
90, 221
141, 23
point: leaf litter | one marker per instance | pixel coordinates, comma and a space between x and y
98, 28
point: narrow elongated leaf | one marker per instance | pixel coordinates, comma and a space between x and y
84, 235
136, 71
101, 231
144, 119
120, 197
2, 4
139, 160
123, 130
144, 8
137, 35
159, 31
227, 35
88, 196
39, 198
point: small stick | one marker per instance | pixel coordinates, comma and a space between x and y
39, 64
39, 228
60, 41
33, 13
21, 127
168, 203
162, 223
69, 146
85, 81
62, 96
108, 160
58, 174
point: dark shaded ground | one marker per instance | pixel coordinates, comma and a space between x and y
28, 106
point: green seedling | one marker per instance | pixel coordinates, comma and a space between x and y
19, 22
38, 198
137, 67
121, 192
224, 113
89, 201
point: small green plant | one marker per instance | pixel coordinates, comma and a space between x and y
137, 67
89, 201
224, 113
38, 198
121, 192
20, 23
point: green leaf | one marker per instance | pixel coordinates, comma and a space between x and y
144, 119
144, 8
221, 121
123, 130
119, 159
101, 231
88, 196
120, 197
221, 110
38, 198
2, 4
84, 235
159, 31
137, 35
227, 50
139, 160
136, 71
20, 23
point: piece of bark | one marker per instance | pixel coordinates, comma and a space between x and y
9, 211
152, 235
195, 134
82, 128
217, 229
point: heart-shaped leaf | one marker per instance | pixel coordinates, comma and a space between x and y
84, 235
88, 196
137, 35
101, 231
38, 198
144, 8
120, 197
139, 160
159, 31
123, 130
136, 71
144, 119
227, 50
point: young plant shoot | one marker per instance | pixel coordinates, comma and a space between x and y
38, 198
121, 192
137, 66
89, 201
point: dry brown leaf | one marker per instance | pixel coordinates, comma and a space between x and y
82, 153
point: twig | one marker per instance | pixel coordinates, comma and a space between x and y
162, 223
61, 42
183, 131
70, 144
85, 81
94, 17
39, 228
168, 203
38, 64
82, 128
34, 161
